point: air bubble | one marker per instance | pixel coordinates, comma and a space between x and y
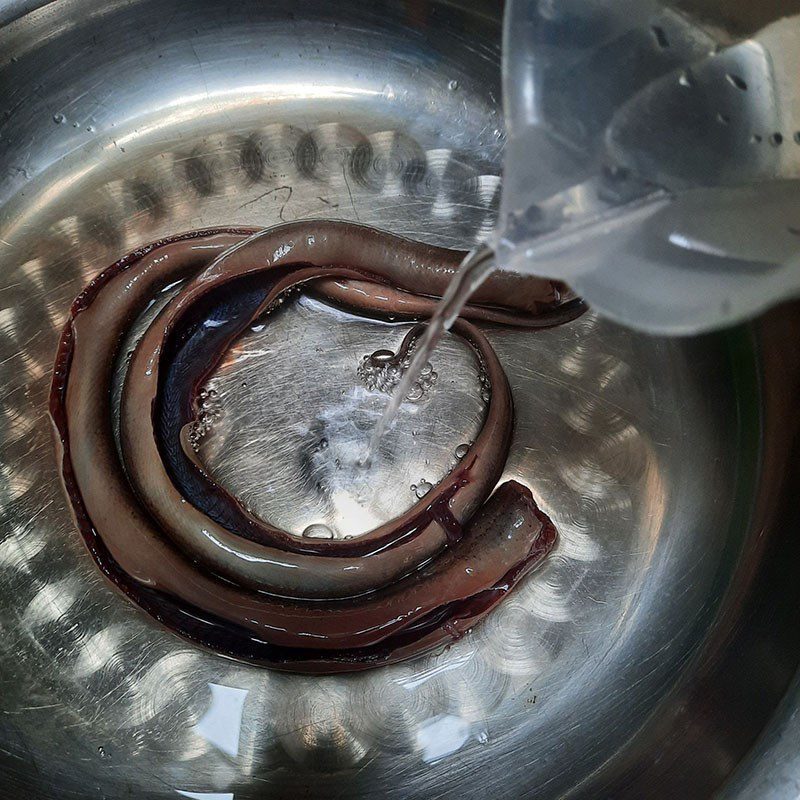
452, 85
421, 489
59, 119
415, 394
462, 450
317, 531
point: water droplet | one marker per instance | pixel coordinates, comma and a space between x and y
469, 570
518, 522
462, 450
244, 384
323, 444
422, 488
498, 134
317, 531
452, 85
90, 129
482, 736
686, 80
101, 751
59, 119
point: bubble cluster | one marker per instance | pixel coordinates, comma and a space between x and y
382, 371
421, 489
209, 411
486, 387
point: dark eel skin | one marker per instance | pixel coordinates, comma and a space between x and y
187, 552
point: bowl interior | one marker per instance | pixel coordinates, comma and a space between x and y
622, 668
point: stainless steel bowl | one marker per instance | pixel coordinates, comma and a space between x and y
656, 653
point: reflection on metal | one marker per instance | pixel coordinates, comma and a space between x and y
221, 724
445, 734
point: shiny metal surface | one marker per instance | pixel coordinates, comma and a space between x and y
292, 430
644, 660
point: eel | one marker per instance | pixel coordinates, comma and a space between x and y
187, 551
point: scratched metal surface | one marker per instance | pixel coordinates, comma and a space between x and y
128, 121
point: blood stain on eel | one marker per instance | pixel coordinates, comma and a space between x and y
186, 551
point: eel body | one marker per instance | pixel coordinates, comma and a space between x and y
187, 551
